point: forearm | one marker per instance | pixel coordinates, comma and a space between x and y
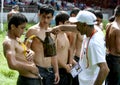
54, 63
20, 66
71, 28
102, 75
23, 67
71, 54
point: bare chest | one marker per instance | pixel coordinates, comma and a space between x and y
62, 41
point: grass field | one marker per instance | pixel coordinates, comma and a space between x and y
7, 76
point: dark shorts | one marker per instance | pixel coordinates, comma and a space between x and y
113, 77
65, 78
28, 81
47, 74
75, 81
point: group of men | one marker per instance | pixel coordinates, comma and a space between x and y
36, 69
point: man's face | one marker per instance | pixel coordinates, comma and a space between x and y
18, 31
99, 21
81, 27
46, 18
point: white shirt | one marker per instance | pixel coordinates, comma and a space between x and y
96, 54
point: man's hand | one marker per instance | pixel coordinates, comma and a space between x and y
55, 31
68, 67
34, 69
30, 55
57, 78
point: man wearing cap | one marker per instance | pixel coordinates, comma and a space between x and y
93, 63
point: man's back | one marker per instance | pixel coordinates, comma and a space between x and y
113, 38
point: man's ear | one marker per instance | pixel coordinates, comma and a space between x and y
60, 23
12, 27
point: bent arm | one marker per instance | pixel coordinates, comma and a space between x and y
15, 64
103, 72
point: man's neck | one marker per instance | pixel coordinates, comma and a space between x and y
90, 32
42, 26
10, 34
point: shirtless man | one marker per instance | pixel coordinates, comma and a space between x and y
63, 46
15, 9
75, 43
46, 65
17, 55
75, 38
113, 47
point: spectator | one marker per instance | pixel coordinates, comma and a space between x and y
74, 12
15, 9
99, 16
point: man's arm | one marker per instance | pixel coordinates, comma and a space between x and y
103, 72
78, 44
69, 27
14, 64
55, 68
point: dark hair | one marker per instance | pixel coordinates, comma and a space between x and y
61, 17
17, 19
46, 9
111, 19
99, 14
117, 11
75, 11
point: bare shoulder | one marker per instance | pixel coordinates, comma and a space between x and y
117, 32
7, 41
7, 44
32, 30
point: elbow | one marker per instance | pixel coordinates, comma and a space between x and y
106, 70
12, 66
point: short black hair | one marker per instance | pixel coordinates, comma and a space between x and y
17, 19
46, 9
111, 19
61, 17
99, 14
74, 11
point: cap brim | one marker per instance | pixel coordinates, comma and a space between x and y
73, 20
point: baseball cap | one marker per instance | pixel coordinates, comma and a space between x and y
84, 17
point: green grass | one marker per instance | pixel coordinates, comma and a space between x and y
7, 76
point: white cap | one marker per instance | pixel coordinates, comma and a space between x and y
84, 17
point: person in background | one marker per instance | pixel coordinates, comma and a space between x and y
18, 57
113, 48
93, 64
15, 9
99, 16
48, 66
112, 18
74, 12
63, 47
